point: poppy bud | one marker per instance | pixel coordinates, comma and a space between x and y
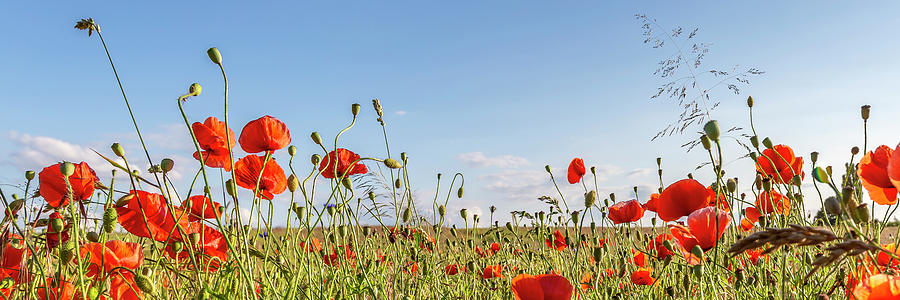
406, 215
547, 168
66, 252
463, 213
93, 237
697, 251
865, 111
67, 169
392, 163
144, 283
796, 180
315, 159
612, 196
292, 150
659, 161
848, 197
750, 101
704, 140
230, 187
459, 192
57, 225
594, 228
590, 198
316, 138
397, 183
854, 150
832, 205
597, 254
214, 55
712, 130
29, 175
117, 150
355, 109
593, 170
403, 157
697, 270
453, 231
93, 293
195, 89
475, 219
768, 143
575, 218
442, 210
509, 226
167, 164
292, 183
767, 184
731, 184
862, 213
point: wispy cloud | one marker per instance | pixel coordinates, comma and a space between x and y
400, 112
35, 152
479, 159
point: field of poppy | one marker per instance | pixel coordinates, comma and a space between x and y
707, 240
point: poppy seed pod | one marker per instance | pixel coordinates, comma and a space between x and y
597, 253
355, 109
704, 140
392, 163
292, 150
167, 164
292, 183
57, 225
750, 101
67, 251
849, 198
712, 130
406, 215
315, 159
442, 210
509, 226
864, 110
29, 175
67, 169
464, 213
854, 150
590, 198
731, 185
230, 187
195, 237
347, 183
459, 192
575, 217
214, 55
814, 156
832, 205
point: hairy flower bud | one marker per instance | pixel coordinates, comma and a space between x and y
442, 210
754, 141
110, 218
315, 159
167, 164
144, 283
316, 138
750, 101
292, 150
230, 187
464, 213
347, 183
117, 150
459, 192
29, 175
195, 89
392, 163
832, 205
93, 237
292, 183
712, 130
590, 198
704, 140
768, 143
862, 213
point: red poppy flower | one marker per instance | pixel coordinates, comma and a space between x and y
156, 222
314, 245
755, 254
657, 244
123, 287
651, 204
495, 247
773, 202
576, 170
483, 253
751, 216
53, 238
411, 268
626, 212
642, 276
780, 164
494, 271
893, 168
723, 204
346, 164
451, 269
249, 171
210, 248
541, 287
885, 259
681, 199
879, 286
334, 258
708, 225
56, 290
873, 172
199, 210
264, 134
12, 259
686, 239
53, 185
587, 281
558, 243
211, 136
103, 258
638, 258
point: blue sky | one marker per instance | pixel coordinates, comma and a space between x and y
495, 90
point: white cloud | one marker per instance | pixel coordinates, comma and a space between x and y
36, 152
637, 173
400, 112
478, 159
